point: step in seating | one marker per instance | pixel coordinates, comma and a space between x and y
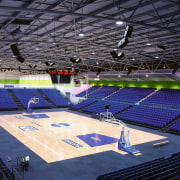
56, 97
103, 92
88, 91
99, 107
175, 127
164, 97
130, 94
82, 104
152, 116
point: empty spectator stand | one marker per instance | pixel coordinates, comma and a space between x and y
154, 117
164, 97
6, 170
6, 102
103, 92
175, 127
56, 97
130, 94
99, 107
162, 168
83, 104
88, 91
24, 95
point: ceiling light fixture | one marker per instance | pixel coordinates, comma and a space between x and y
148, 44
119, 22
81, 34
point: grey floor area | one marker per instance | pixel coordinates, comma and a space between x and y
86, 167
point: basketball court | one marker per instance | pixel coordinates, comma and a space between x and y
57, 136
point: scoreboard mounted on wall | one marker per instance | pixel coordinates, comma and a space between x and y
61, 77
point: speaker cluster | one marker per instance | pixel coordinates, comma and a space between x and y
127, 34
78, 60
17, 53
124, 41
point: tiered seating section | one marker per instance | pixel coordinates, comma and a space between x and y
124, 104
103, 92
153, 116
56, 98
6, 169
88, 91
130, 94
24, 95
83, 104
175, 127
99, 107
165, 97
6, 102
162, 168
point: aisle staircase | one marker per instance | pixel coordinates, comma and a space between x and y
46, 98
16, 100
166, 128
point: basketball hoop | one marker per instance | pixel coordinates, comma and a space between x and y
33, 100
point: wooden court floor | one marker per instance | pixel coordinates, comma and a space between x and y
45, 135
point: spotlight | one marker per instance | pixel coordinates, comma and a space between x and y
72, 60
114, 54
34, 66
78, 60
121, 55
47, 64
50, 63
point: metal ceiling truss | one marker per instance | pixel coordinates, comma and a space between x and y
48, 32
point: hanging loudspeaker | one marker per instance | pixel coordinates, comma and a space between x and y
128, 31
123, 43
15, 50
20, 59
